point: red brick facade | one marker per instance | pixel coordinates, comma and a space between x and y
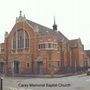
87, 58
31, 48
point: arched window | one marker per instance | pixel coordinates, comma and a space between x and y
20, 40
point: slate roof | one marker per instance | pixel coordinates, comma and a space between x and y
47, 31
73, 43
87, 52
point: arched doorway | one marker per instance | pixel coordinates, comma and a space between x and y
1, 67
16, 67
40, 67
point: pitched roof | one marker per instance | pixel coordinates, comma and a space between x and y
87, 52
73, 43
47, 31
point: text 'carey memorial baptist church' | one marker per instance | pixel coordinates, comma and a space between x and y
31, 48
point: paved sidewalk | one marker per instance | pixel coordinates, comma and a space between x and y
44, 76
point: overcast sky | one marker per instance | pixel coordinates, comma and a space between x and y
72, 16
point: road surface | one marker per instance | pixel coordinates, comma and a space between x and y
78, 82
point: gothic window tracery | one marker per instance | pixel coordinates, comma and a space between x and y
20, 40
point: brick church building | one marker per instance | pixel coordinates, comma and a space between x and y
31, 48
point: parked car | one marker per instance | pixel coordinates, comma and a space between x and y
88, 71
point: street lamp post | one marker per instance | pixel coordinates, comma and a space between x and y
1, 83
